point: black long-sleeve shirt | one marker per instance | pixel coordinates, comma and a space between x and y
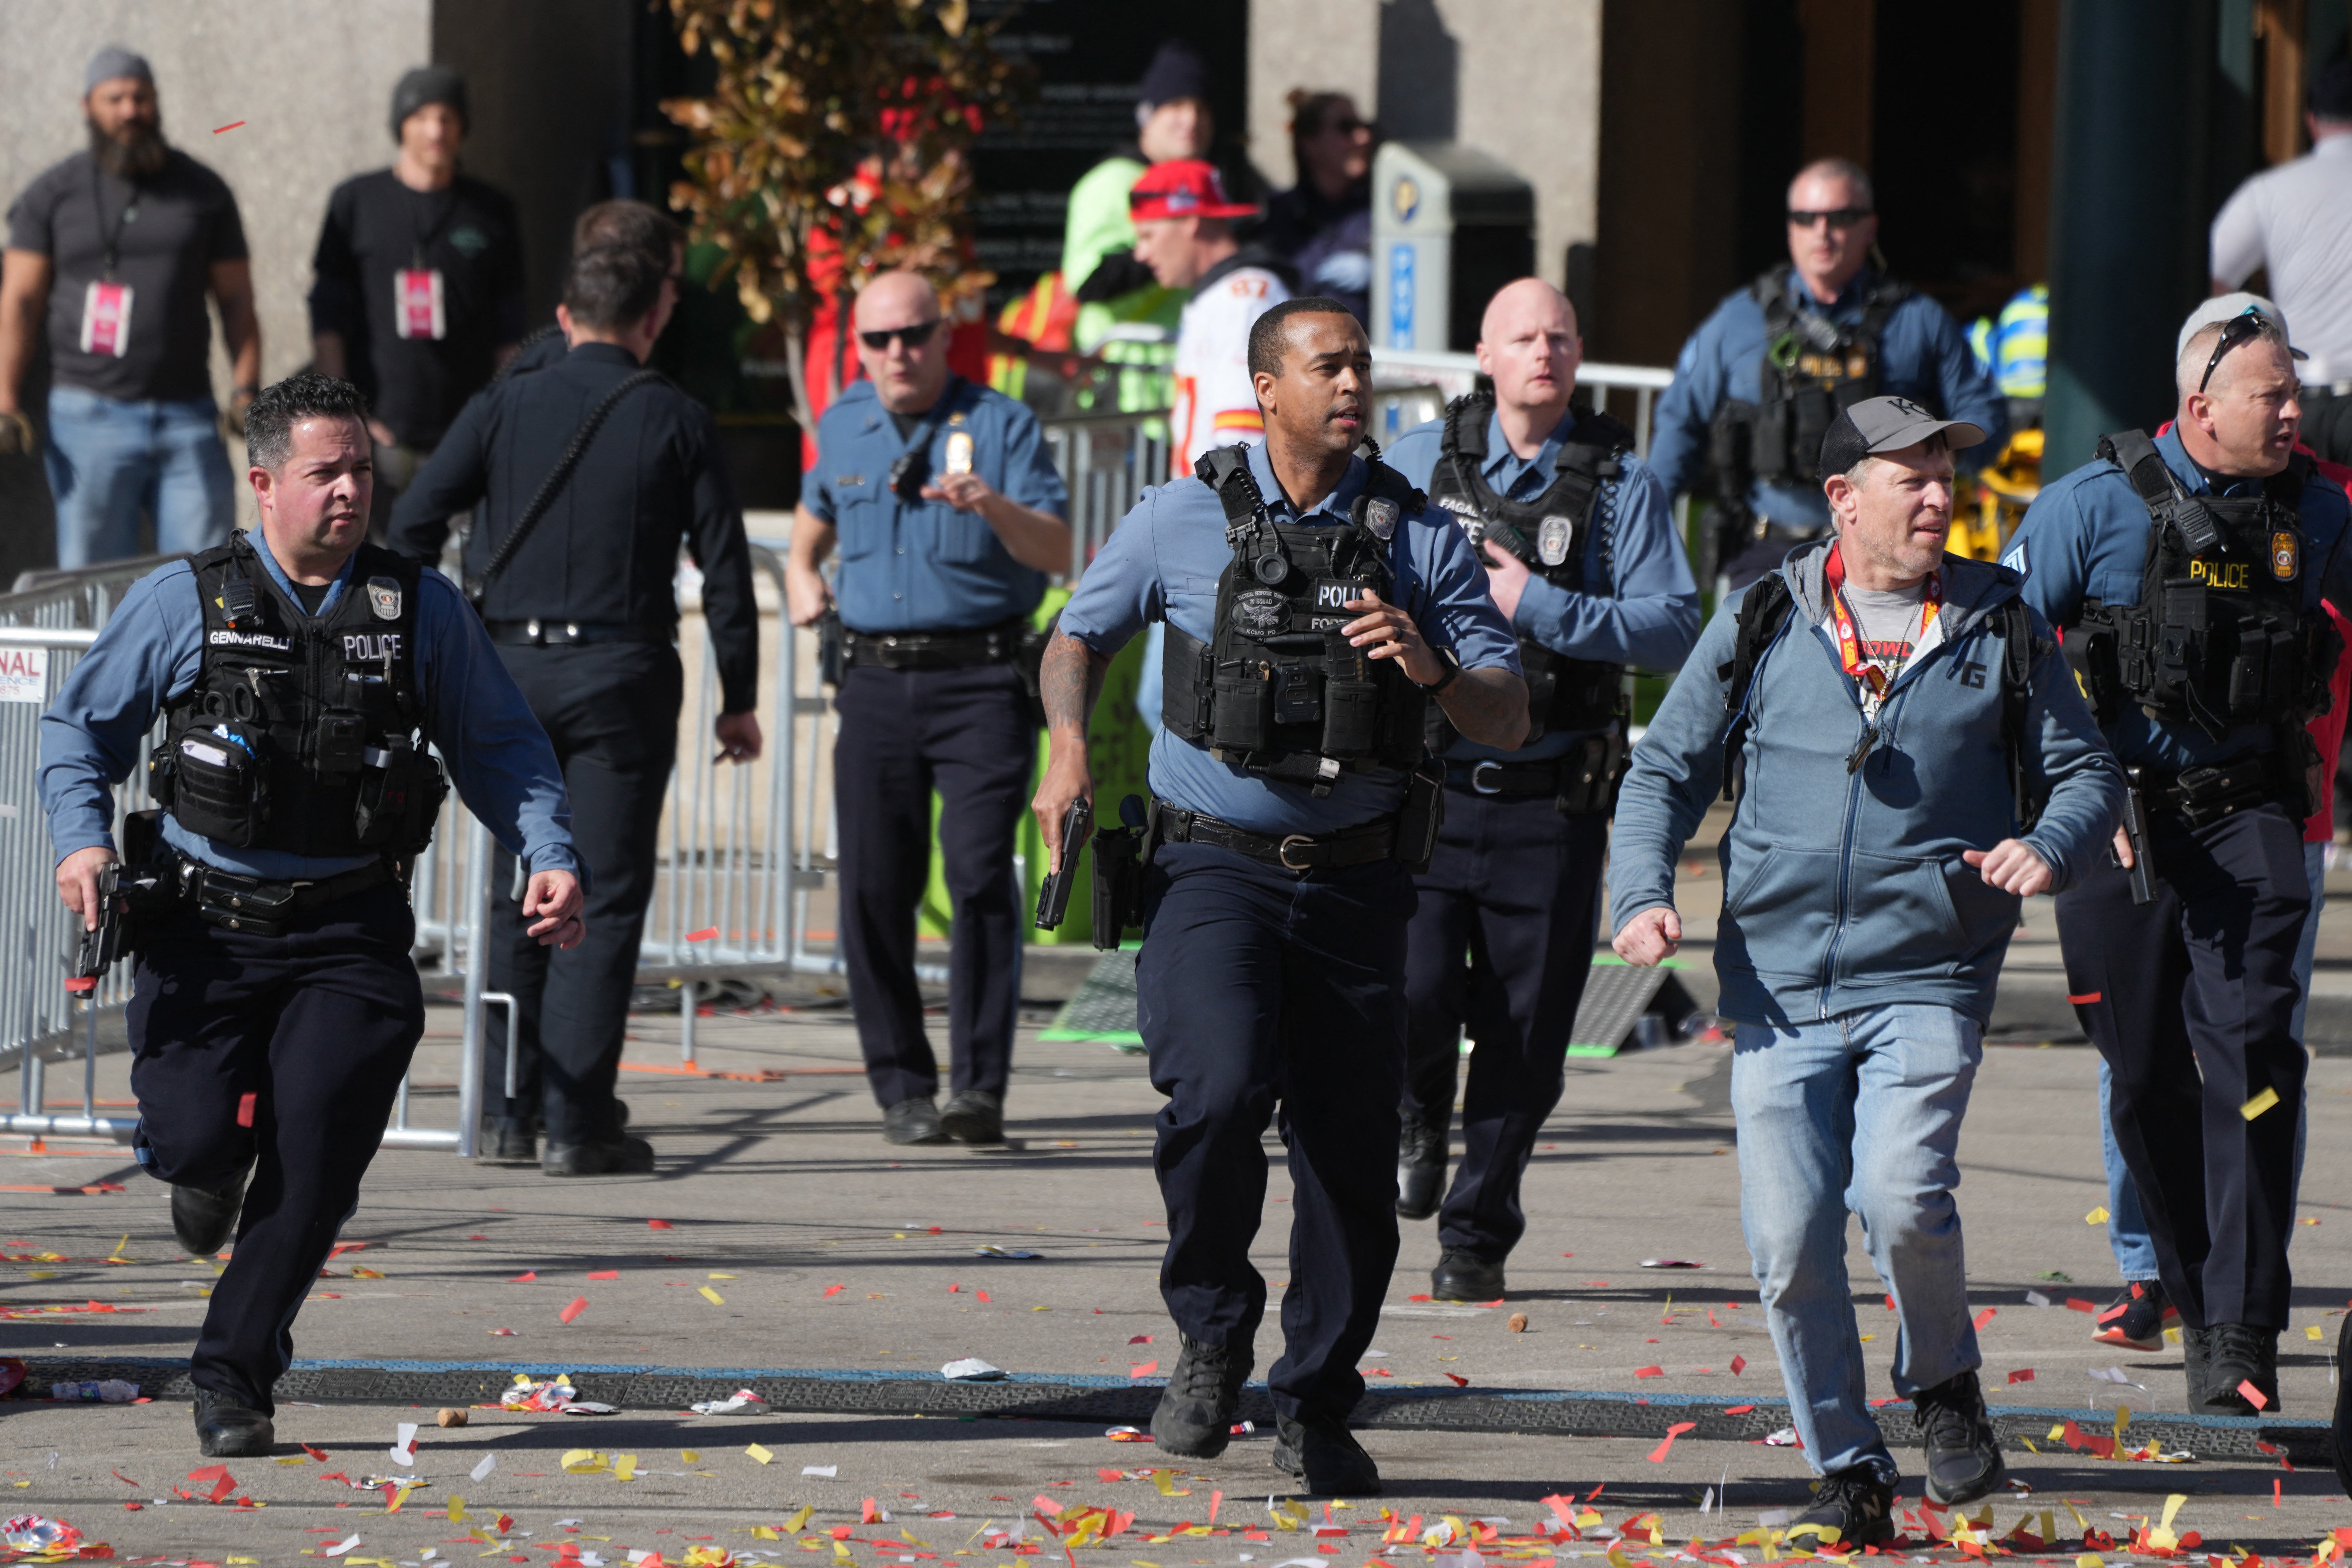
607, 549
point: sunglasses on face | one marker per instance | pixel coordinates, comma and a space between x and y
2244, 325
913, 336
1837, 217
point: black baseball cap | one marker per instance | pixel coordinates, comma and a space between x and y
1884, 424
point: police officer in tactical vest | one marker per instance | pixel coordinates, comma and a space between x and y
1582, 558
588, 476
301, 674
1759, 383
1317, 608
2187, 573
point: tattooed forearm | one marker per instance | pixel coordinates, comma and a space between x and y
1488, 706
1068, 683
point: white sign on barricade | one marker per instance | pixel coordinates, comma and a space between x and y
24, 675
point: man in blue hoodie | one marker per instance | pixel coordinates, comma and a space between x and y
1909, 757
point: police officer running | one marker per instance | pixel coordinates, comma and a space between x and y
300, 678
949, 516
1582, 558
1758, 385
592, 471
1315, 607
1908, 758
2188, 573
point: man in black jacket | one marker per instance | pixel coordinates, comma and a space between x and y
584, 613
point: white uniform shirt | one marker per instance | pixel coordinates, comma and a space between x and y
1216, 405
2296, 221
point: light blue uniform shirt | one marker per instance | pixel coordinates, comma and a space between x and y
923, 566
1163, 562
1922, 355
2086, 536
1636, 603
153, 649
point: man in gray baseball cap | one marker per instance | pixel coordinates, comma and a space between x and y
1908, 758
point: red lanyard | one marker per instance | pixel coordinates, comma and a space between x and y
1849, 640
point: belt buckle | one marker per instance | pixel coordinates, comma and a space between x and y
1282, 851
1478, 777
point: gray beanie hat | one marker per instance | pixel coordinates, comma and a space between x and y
114, 61
428, 84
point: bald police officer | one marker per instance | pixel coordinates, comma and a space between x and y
1314, 605
948, 515
1582, 557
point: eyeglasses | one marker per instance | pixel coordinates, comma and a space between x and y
913, 336
1837, 218
2247, 324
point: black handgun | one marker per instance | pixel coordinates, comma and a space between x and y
1118, 875
1054, 894
2136, 834
99, 950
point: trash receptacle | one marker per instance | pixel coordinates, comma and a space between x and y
1450, 224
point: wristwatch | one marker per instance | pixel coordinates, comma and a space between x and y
1452, 674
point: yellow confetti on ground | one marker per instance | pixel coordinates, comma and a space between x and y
2313, 1333
713, 1297
723, 1276
691, 1456
2096, 1217
792, 1525
2258, 1103
760, 1454
625, 1467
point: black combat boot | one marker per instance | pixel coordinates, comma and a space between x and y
1326, 1457
1421, 1169
1195, 1417
227, 1430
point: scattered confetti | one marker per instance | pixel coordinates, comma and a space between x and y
2096, 1217
713, 1297
1658, 1454
971, 1369
232, 125
762, 1454
2258, 1103
579, 1305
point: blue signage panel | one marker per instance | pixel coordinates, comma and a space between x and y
1400, 294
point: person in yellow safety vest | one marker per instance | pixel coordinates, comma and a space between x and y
1125, 315
2016, 349
1042, 319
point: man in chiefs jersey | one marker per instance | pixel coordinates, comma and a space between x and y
1184, 233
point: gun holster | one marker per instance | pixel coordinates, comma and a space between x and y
832, 648
1424, 814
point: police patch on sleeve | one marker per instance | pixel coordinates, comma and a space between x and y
2015, 558
383, 597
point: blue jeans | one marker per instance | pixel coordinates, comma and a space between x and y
2127, 1227
107, 459
1862, 1113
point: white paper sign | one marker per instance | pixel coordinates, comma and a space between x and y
24, 675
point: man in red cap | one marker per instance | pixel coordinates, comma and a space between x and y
1184, 233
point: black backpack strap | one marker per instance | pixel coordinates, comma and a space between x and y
1464, 432
2019, 652
2143, 465
1884, 297
1770, 292
1762, 616
1594, 446
1226, 471
553, 484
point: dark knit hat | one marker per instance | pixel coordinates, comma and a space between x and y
428, 84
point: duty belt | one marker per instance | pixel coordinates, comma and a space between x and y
575, 634
1359, 845
2205, 794
933, 650
234, 901
1493, 778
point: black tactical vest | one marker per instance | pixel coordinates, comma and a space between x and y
1550, 533
302, 735
1277, 689
2220, 636
1814, 370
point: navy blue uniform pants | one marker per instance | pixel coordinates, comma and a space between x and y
1500, 945
316, 1027
2190, 999
968, 735
1271, 996
611, 712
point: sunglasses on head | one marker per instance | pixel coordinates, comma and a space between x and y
913, 336
1836, 217
2247, 324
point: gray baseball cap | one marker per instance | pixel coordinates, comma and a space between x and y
1886, 424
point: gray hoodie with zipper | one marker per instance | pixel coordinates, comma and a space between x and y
1844, 888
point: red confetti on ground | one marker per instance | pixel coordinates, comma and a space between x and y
2254, 1395
1658, 1454
524, 1278
1140, 1338
1457, 1382
1985, 1317
579, 1305
606, 1274
1416, 1298
1144, 1369
659, 1225
2022, 1375
1739, 1364
981, 1295
1737, 1409
232, 125
2078, 1304
834, 1290
1649, 1372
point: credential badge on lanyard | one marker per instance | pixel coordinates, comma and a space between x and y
416, 303
106, 320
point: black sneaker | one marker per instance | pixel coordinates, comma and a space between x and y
227, 1430
2193, 1349
1464, 1276
2339, 1430
915, 1121
2236, 1355
623, 1155
1195, 1417
1964, 1460
973, 1116
1855, 1503
1421, 1169
2135, 1319
510, 1145
1326, 1457
204, 1220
